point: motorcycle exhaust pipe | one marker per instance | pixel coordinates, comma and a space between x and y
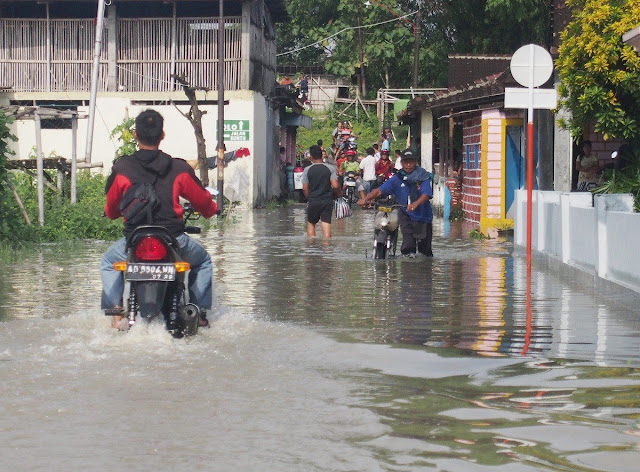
190, 318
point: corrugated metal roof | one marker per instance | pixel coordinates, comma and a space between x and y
466, 68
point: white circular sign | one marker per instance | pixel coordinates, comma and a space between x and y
530, 57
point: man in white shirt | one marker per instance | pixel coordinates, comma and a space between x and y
376, 151
368, 167
398, 164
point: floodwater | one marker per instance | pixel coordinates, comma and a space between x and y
322, 359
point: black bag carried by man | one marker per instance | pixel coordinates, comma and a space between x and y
138, 203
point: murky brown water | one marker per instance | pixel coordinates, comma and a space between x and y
323, 359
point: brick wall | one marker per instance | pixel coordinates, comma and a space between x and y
602, 148
471, 163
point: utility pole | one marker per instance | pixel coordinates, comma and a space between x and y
95, 73
363, 80
416, 49
220, 105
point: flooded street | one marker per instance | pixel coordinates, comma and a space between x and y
322, 359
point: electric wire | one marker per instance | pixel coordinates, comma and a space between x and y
343, 30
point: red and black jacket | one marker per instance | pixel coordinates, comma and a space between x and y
175, 179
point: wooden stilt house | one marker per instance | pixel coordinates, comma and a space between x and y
46, 57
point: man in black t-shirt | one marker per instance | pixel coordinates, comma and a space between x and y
320, 186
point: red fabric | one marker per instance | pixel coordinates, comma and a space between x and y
120, 185
242, 152
200, 198
383, 167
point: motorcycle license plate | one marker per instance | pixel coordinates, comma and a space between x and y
145, 271
351, 184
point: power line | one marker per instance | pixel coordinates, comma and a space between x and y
343, 30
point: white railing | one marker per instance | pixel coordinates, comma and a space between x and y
596, 233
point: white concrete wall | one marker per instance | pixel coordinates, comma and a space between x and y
597, 234
426, 139
248, 185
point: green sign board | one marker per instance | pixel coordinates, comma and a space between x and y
235, 130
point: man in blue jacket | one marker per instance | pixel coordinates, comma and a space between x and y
412, 187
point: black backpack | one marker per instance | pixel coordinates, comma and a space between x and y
137, 203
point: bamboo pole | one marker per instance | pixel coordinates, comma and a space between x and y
174, 47
48, 53
40, 167
74, 158
20, 204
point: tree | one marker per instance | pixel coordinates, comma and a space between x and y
195, 118
599, 74
446, 26
8, 212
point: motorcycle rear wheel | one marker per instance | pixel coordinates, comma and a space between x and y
381, 251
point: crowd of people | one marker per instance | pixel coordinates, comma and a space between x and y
374, 174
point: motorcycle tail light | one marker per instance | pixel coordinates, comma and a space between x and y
151, 249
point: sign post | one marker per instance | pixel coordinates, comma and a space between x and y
531, 66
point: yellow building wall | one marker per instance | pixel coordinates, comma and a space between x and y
493, 212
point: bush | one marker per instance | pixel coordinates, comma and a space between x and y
600, 74
63, 221
7, 223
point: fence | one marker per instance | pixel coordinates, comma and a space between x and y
596, 233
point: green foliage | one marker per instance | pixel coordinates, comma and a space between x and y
6, 222
63, 221
365, 128
600, 75
124, 133
483, 26
477, 234
625, 179
456, 214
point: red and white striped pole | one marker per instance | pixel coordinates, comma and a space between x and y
530, 156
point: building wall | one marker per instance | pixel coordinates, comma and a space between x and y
426, 139
471, 164
246, 179
493, 166
601, 148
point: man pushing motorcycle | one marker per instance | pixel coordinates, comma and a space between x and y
412, 187
171, 179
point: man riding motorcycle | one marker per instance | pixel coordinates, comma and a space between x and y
172, 178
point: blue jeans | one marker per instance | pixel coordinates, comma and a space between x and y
200, 276
368, 185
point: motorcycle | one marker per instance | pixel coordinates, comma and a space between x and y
155, 273
386, 226
350, 179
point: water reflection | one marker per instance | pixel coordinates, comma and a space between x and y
420, 361
472, 296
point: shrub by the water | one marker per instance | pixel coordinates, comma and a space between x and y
63, 221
